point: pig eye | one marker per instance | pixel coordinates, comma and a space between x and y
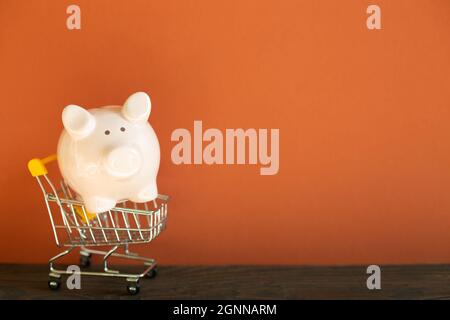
122, 129
107, 132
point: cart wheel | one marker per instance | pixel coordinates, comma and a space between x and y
133, 288
152, 273
54, 283
85, 261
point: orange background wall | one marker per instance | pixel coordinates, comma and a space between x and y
363, 117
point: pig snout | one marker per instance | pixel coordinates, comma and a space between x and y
123, 162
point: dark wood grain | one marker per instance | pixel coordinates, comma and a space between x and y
240, 282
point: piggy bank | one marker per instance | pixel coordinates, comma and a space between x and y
111, 154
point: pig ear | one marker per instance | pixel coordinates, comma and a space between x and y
137, 107
78, 122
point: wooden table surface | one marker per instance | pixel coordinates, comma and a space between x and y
240, 282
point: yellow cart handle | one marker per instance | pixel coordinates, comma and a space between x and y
37, 166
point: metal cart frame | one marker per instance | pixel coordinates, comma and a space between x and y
73, 226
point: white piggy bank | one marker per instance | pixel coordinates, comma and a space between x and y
110, 154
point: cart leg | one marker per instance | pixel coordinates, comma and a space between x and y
126, 255
147, 262
55, 258
55, 275
151, 263
105, 260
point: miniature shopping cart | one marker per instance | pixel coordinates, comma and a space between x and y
73, 226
